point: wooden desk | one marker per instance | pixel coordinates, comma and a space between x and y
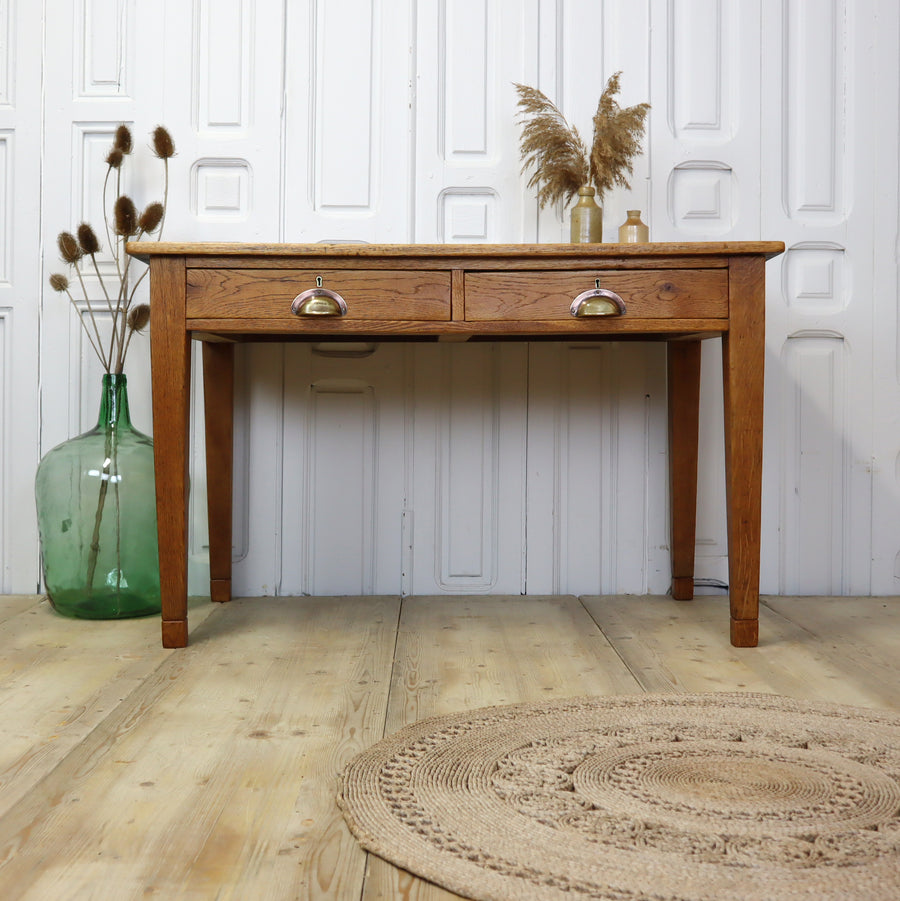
678, 293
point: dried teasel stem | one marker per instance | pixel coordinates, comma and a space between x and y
164, 148
110, 240
138, 320
71, 252
122, 222
90, 246
60, 284
120, 322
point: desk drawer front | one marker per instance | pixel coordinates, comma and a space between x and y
647, 294
268, 293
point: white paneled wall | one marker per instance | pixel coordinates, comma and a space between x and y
516, 467
20, 276
826, 194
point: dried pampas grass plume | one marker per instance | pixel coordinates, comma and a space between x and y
552, 147
561, 161
617, 139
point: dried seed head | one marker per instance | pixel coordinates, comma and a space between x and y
163, 145
139, 317
123, 140
69, 249
87, 239
59, 282
126, 217
151, 217
114, 158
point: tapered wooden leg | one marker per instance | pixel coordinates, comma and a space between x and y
743, 360
171, 363
218, 392
684, 426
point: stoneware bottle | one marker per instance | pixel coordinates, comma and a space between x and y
586, 218
632, 230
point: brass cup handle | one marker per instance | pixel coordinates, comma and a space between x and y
597, 302
319, 302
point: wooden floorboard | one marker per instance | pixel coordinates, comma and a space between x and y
803, 653
458, 654
130, 771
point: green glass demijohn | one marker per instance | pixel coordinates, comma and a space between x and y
96, 505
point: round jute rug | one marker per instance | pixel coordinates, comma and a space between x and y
688, 797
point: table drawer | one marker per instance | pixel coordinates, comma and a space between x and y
647, 294
269, 293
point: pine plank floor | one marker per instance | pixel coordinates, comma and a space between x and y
130, 771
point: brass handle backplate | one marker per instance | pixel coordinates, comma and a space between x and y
597, 302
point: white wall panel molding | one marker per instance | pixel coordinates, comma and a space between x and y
468, 54
468, 485
221, 189
467, 470
224, 108
596, 477
7, 58
347, 424
347, 104
702, 50
702, 198
104, 55
587, 468
467, 215
817, 109
350, 103
817, 280
342, 474
264, 462
814, 551
91, 142
7, 137
704, 121
467, 118
223, 71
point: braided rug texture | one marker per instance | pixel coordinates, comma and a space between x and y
639, 798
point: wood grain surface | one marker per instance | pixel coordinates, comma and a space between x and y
130, 771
